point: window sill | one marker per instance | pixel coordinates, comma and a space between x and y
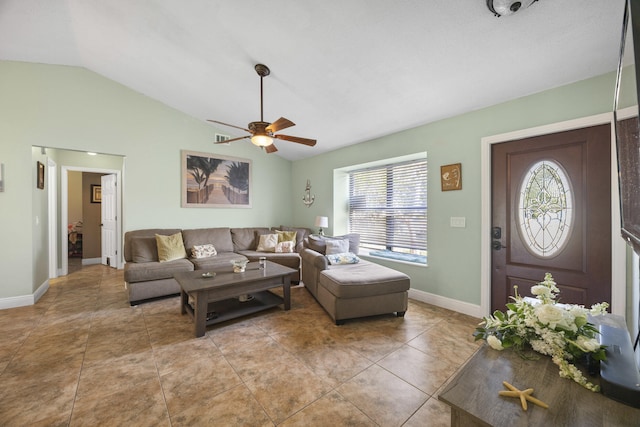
393, 257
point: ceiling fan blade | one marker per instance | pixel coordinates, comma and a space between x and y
232, 139
270, 148
280, 124
227, 124
305, 141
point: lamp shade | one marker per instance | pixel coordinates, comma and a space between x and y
322, 221
261, 140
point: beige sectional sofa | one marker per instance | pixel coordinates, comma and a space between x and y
147, 278
348, 291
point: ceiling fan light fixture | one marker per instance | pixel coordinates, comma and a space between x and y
261, 140
507, 7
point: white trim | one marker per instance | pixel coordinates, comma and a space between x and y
24, 300
52, 195
91, 261
42, 289
64, 206
448, 303
618, 253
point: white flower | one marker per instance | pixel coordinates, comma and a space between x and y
587, 344
539, 290
549, 314
494, 342
561, 331
600, 308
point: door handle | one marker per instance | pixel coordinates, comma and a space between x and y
497, 245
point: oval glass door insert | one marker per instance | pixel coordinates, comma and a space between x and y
545, 209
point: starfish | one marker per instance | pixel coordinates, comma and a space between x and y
524, 395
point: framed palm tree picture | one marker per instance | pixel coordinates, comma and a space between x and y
215, 181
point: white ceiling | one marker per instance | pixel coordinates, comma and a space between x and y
345, 71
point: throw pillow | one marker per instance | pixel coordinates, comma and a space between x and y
286, 236
203, 251
267, 243
354, 241
337, 246
285, 247
170, 247
144, 249
317, 243
343, 258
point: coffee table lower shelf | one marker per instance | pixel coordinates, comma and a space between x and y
233, 308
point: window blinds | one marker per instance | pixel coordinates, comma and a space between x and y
388, 206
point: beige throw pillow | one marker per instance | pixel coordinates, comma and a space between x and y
285, 247
337, 246
170, 247
268, 243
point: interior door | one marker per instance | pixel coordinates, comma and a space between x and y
551, 212
109, 220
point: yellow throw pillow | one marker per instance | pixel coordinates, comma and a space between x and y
170, 247
286, 236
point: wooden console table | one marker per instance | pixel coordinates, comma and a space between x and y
473, 395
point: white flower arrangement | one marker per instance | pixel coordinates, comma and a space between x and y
557, 330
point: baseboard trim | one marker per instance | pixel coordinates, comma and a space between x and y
24, 300
448, 303
42, 289
91, 261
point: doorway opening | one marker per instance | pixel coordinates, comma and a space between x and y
85, 219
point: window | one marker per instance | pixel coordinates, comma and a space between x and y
388, 208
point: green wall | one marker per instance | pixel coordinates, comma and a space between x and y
75, 109
454, 253
71, 108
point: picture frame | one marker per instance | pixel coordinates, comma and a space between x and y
40, 176
96, 193
214, 181
451, 177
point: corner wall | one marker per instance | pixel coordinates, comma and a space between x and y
72, 108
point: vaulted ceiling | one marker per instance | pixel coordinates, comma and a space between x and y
344, 71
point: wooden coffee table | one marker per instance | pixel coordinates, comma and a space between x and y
215, 298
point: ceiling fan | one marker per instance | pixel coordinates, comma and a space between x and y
263, 133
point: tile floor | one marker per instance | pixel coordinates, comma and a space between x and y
83, 356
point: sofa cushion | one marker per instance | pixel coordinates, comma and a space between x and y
318, 243
144, 249
149, 232
245, 239
363, 279
146, 271
291, 260
219, 237
170, 247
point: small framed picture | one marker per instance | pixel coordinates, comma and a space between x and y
451, 177
96, 193
40, 176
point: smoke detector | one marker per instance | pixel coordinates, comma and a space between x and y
507, 7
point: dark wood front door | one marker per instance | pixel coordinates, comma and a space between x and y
551, 212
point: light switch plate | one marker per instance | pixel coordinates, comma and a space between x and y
458, 222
